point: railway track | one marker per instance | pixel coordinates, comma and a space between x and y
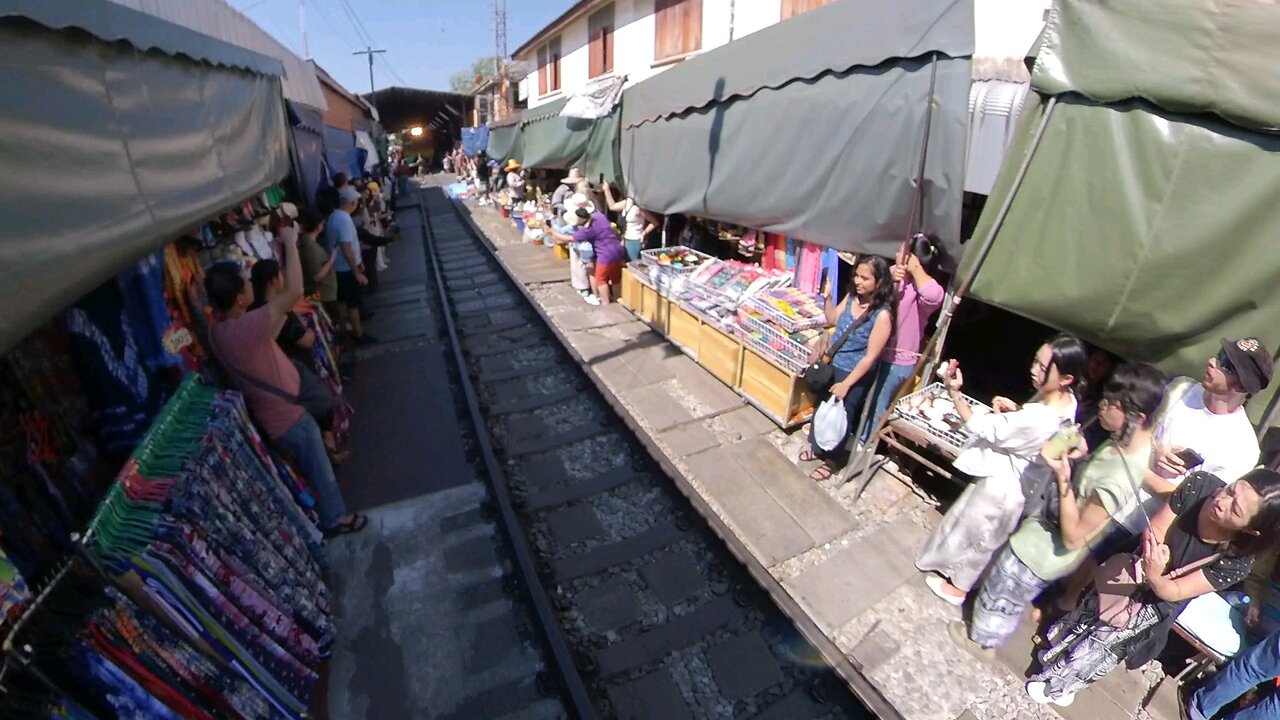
640, 610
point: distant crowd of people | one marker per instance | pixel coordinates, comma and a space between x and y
332, 253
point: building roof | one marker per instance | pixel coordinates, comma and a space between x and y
217, 19
402, 107
337, 87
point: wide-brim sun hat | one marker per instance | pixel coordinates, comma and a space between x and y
578, 200
575, 177
511, 165
571, 218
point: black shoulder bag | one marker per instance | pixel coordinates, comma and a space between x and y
821, 375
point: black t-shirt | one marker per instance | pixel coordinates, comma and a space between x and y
1185, 547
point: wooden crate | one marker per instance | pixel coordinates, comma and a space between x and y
780, 394
654, 308
631, 296
720, 354
684, 329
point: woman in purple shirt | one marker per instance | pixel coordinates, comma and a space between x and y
595, 228
919, 297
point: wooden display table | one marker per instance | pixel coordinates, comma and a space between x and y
777, 392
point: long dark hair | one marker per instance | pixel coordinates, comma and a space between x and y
929, 251
261, 275
1263, 531
884, 295
1138, 388
1070, 355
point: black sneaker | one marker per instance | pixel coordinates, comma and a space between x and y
366, 339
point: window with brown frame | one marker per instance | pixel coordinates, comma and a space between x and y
549, 67
677, 28
600, 30
791, 8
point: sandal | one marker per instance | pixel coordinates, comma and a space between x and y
807, 455
822, 472
357, 523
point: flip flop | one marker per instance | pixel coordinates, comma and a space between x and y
807, 455
822, 472
357, 523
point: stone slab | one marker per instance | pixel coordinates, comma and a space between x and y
771, 533
688, 440
609, 606
857, 577
652, 696
795, 705
673, 578
709, 392
747, 422
607, 556
821, 515
585, 488
544, 472
875, 649
655, 409
744, 666
534, 264
574, 525
677, 633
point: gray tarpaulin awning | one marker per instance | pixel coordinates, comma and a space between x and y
1146, 217
814, 127
113, 144
552, 141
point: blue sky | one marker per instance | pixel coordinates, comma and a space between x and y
426, 40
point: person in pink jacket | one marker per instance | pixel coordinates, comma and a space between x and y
919, 297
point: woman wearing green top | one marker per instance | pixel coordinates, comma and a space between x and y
1090, 504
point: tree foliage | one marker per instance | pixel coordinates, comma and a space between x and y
465, 81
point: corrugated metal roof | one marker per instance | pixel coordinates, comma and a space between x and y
218, 19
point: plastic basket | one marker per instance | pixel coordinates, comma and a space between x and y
650, 257
957, 437
768, 341
759, 305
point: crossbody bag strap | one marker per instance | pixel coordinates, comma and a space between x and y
260, 384
1194, 566
835, 348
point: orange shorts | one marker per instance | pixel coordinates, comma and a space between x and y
606, 274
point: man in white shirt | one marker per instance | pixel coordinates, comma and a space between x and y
1207, 418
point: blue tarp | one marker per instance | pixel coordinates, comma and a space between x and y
341, 152
475, 139
306, 126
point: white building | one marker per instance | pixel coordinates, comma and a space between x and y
637, 39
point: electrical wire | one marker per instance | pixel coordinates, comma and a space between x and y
357, 23
388, 67
324, 15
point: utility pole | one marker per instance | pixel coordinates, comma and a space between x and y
370, 52
499, 86
302, 25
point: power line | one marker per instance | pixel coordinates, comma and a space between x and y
357, 23
324, 15
386, 65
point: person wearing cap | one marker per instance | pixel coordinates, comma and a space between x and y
515, 181
1204, 418
595, 229
581, 254
342, 238
636, 221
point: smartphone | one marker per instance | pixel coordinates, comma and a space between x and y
1190, 458
1063, 441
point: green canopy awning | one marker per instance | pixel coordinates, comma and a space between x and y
553, 142
1147, 217
504, 143
815, 127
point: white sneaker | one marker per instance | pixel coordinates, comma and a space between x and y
592, 300
935, 584
1037, 690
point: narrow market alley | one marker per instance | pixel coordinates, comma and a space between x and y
426, 629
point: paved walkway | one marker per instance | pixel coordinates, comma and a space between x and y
848, 567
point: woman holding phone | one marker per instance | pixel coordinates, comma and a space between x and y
1203, 539
1004, 444
863, 322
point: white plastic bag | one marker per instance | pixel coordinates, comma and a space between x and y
830, 424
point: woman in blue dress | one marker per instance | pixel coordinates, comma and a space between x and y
869, 310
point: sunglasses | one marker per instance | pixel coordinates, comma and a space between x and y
1224, 363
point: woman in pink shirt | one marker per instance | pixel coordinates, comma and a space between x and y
919, 297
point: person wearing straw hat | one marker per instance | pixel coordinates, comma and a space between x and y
515, 181
565, 189
578, 210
